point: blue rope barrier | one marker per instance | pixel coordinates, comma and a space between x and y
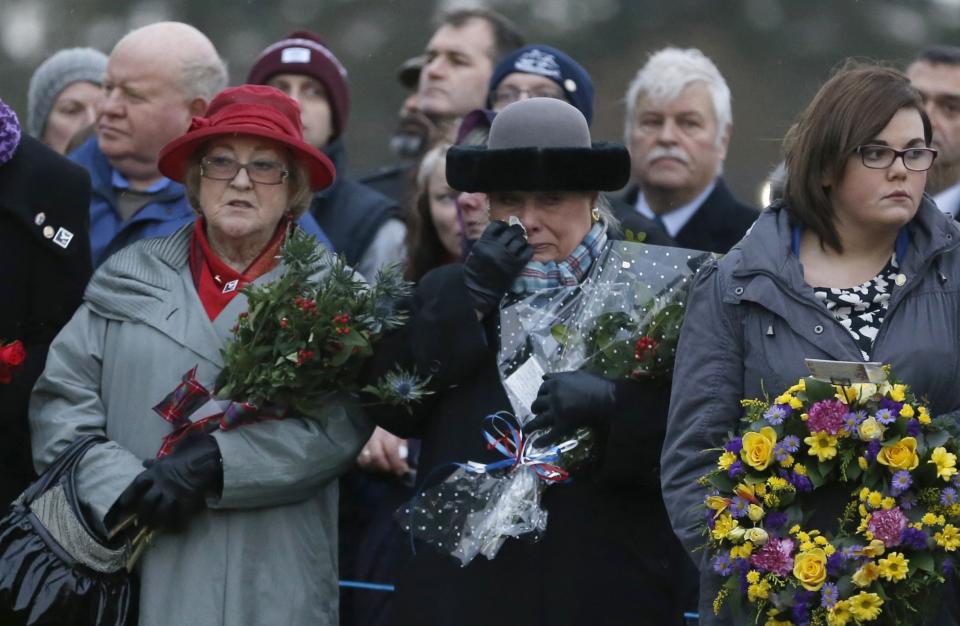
353, 584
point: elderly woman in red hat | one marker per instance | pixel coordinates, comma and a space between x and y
248, 516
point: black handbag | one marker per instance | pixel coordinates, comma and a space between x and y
54, 569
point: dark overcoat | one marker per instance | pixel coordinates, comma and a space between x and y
44, 267
719, 223
608, 555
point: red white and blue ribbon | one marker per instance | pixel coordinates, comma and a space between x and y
504, 433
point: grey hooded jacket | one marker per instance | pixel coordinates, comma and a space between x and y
751, 321
265, 552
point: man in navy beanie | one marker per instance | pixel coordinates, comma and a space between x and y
364, 225
539, 71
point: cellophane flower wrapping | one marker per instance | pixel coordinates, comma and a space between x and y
622, 320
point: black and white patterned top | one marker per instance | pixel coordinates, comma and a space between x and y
860, 309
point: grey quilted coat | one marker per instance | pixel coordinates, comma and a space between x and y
751, 321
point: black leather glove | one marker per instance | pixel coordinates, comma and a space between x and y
174, 488
568, 400
493, 264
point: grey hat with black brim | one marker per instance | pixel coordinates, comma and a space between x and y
539, 144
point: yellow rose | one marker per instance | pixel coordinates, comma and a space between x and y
736, 534
900, 456
870, 429
924, 417
898, 393
757, 536
755, 512
757, 451
906, 411
810, 568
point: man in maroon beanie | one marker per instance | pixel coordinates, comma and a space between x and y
364, 225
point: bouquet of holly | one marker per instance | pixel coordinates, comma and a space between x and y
303, 339
894, 470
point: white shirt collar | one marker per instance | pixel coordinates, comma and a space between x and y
676, 219
948, 200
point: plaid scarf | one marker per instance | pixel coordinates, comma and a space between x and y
537, 276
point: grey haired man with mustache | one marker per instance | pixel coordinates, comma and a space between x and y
678, 127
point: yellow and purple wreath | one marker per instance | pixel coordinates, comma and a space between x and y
895, 538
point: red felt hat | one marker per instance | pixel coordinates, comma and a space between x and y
249, 110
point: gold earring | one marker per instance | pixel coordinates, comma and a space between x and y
595, 213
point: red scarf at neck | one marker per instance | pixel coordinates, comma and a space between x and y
216, 282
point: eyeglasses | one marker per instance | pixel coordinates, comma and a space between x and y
882, 157
508, 95
262, 171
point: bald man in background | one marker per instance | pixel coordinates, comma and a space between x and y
158, 78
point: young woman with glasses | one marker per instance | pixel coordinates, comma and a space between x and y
854, 264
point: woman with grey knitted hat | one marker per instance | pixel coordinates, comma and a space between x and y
63, 95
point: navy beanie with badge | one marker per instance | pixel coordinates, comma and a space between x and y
550, 63
302, 52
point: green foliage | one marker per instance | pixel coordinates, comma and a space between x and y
306, 335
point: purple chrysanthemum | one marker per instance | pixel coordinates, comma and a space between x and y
777, 413
887, 525
913, 538
901, 482
873, 449
734, 445
948, 496
775, 556
829, 594
885, 416
827, 416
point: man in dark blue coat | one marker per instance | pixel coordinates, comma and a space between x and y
678, 127
364, 225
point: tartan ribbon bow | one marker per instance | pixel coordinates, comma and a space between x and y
189, 397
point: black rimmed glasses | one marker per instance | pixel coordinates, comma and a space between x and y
261, 171
508, 95
882, 157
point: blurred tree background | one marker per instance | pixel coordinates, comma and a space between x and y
773, 53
